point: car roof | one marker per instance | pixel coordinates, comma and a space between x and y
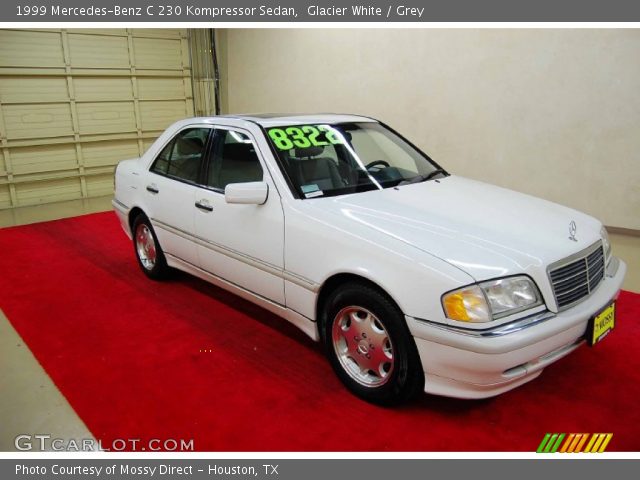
281, 119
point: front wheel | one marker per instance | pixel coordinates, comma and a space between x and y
369, 345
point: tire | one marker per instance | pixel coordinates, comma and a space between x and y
147, 249
369, 345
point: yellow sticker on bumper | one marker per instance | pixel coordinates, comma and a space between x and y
603, 323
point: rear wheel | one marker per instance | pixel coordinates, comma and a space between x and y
148, 252
369, 345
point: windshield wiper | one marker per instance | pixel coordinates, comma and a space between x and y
422, 178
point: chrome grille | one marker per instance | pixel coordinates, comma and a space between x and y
576, 277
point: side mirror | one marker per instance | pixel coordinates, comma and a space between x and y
249, 193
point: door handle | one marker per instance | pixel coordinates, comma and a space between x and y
204, 205
153, 189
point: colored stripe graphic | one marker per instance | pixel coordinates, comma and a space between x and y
543, 443
550, 443
566, 444
578, 438
574, 443
599, 440
582, 442
557, 444
604, 445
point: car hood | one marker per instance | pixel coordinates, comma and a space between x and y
484, 230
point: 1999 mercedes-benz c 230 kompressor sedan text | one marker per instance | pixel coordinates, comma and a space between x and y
414, 279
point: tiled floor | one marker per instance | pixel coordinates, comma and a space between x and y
36, 406
30, 403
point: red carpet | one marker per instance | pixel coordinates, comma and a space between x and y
125, 351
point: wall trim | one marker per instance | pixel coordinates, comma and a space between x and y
632, 232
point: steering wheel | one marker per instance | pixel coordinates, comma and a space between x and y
376, 163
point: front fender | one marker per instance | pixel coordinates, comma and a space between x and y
319, 247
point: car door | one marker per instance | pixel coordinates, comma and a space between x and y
170, 190
242, 244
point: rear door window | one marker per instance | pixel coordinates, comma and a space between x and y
182, 157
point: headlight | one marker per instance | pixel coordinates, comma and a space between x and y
491, 300
510, 295
467, 305
606, 244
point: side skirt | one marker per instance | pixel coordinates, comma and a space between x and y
303, 323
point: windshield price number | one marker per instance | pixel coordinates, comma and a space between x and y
304, 137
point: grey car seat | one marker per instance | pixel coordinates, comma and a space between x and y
312, 169
185, 161
239, 164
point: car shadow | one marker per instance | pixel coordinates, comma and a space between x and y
445, 405
257, 313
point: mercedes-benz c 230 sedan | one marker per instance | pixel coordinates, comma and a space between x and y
414, 279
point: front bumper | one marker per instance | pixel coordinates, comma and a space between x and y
464, 365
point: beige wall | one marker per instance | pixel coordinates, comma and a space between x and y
554, 113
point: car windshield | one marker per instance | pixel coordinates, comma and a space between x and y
324, 160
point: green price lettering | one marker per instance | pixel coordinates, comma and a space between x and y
280, 138
297, 135
305, 136
331, 134
313, 134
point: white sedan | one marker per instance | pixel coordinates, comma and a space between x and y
414, 279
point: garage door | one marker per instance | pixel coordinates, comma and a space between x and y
75, 102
